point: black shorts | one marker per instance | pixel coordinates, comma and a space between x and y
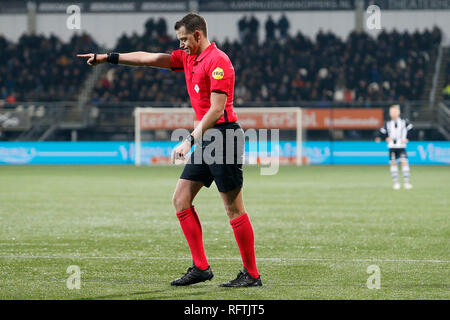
397, 153
216, 161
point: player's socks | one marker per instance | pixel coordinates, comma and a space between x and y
243, 232
394, 173
192, 229
405, 173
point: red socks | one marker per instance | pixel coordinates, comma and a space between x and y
192, 229
243, 232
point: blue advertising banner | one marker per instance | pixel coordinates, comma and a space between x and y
367, 152
65, 153
314, 152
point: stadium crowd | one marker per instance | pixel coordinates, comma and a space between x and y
122, 83
289, 68
282, 67
39, 68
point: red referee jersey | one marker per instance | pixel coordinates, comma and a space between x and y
211, 71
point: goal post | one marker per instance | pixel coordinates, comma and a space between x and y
168, 119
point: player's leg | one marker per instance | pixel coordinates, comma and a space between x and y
405, 170
185, 193
243, 232
193, 178
233, 203
394, 168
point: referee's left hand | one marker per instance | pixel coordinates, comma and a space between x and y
181, 151
93, 59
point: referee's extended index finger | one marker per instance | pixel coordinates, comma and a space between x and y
84, 55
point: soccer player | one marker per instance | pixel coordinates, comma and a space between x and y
397, 132
210, 83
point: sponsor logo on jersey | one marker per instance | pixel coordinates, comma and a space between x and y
218, 73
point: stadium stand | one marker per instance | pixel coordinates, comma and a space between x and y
281, 68
39, 68
389, 67
122, 83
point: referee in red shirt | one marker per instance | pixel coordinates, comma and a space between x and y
210, 84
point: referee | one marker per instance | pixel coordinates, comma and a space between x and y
210, 83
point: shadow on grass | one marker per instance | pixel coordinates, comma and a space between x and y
160, 294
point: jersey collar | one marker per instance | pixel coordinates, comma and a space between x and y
205, 52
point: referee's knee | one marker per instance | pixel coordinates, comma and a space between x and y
181, 203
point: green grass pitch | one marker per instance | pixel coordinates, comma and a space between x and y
317, 230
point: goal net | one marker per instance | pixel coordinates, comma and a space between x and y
269, 132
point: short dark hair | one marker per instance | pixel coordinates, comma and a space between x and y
192, 22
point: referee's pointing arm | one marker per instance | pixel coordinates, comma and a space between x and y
138, 58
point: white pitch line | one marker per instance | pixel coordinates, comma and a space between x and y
224, 258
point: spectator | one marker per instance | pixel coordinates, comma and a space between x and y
149, 27
243, 26
270, 29
283, 26
161, 27
253, 28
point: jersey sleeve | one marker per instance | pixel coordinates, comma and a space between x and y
383, 133
221, 74
177, 60
409, 127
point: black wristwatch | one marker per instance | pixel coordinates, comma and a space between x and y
191, 139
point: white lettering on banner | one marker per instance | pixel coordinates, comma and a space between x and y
248, 122
279, 120
164, 6
9, 122
124, 152
309, 120
12, 120
54, 7
345, 121
18, 155
120, 7
434, 153
169, 121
